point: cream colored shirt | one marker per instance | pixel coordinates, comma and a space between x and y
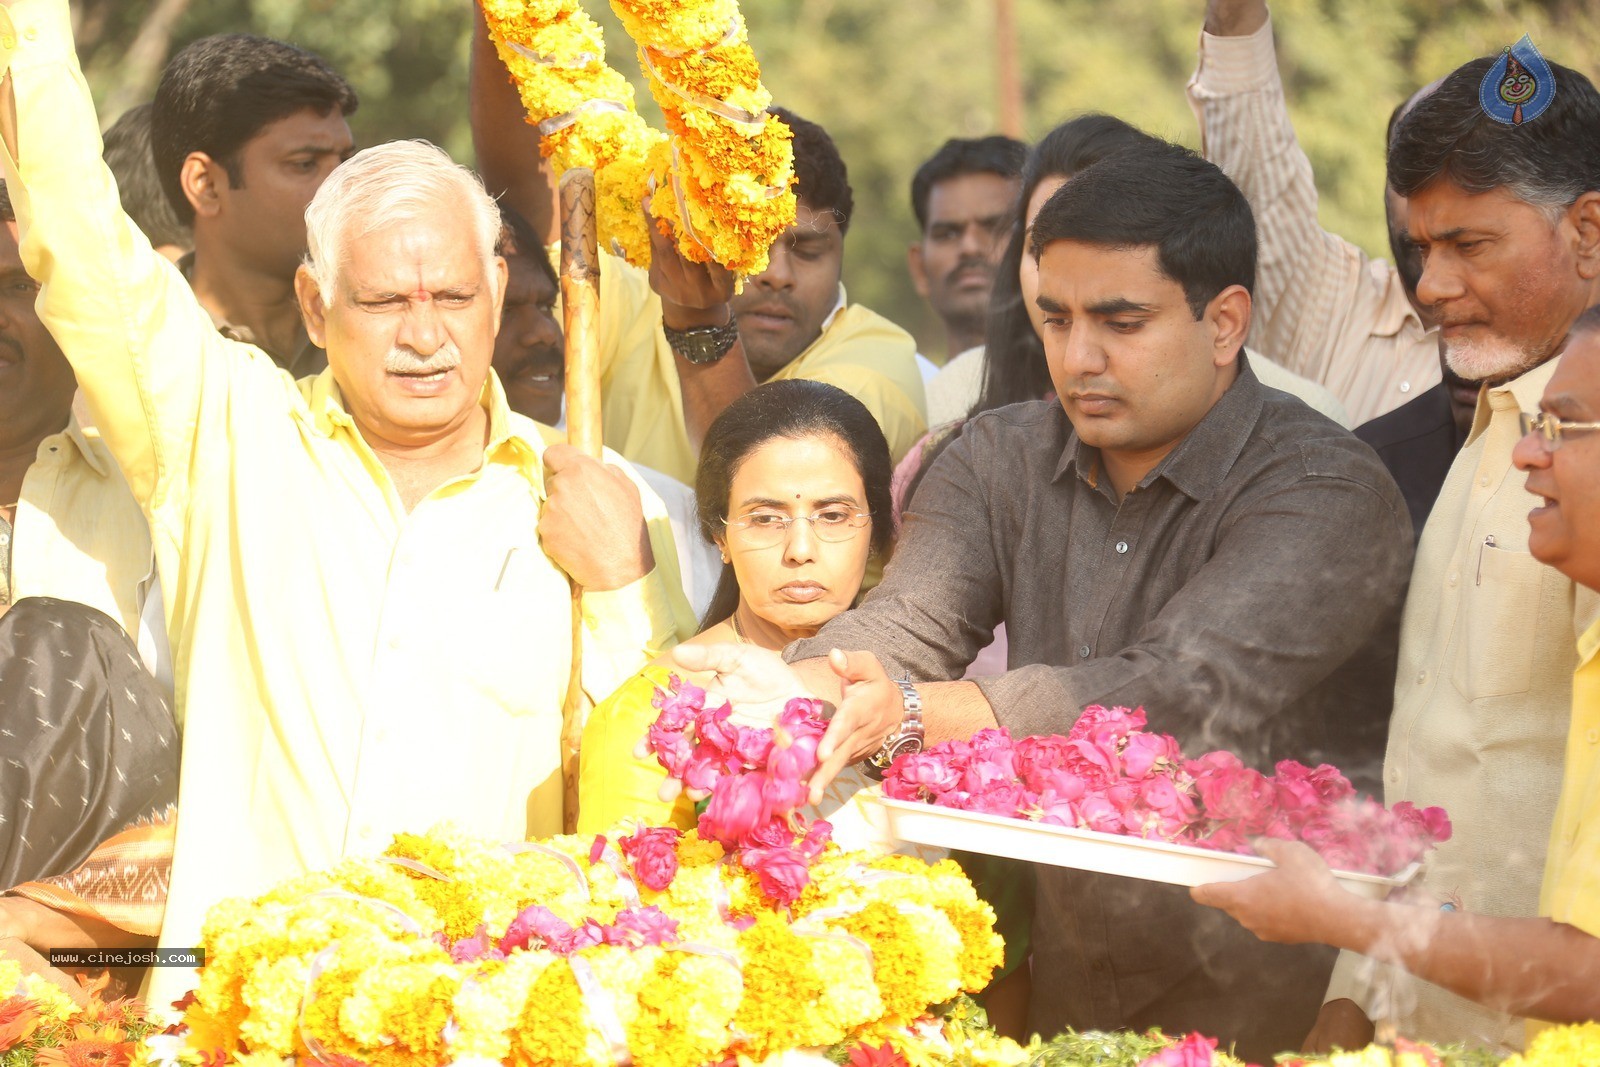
79, 533
345, 670
859, 351
1322, 307
1482, 705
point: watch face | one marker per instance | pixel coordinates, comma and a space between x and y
904, 746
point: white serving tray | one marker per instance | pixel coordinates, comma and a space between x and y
1089, 850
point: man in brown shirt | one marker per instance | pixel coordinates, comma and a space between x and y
1171, 534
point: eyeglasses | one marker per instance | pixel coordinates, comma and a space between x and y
1551, 428
764, 529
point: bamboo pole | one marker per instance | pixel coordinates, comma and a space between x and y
1008, 75
580, 303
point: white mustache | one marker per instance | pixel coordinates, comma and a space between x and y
403, 359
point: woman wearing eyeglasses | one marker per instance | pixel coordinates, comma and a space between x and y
793, 490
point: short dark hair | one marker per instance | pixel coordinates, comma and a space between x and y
792, 408
128, 154
517, 238
1547, 161
221, 91
821, 177
1167, 196
1014, 368
7, 212
995, 154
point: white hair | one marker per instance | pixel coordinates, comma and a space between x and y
388, 184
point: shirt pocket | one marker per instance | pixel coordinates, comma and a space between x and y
1501, 620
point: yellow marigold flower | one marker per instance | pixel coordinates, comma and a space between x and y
1579, 1043
488, 1007
52, 1001
684, 1010
554, 1025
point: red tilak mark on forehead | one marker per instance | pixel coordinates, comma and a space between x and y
422, 293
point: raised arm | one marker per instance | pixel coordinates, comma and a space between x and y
121, 313
1307, 279
506, 146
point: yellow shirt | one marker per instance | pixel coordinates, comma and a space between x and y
1571, 891
1481, 711
79, 533
859, 351
1572, 871
344, 670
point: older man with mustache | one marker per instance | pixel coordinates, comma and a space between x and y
367, 573
1548, 967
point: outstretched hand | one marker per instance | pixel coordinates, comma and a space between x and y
870, 709
1298, 901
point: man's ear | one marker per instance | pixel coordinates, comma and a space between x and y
199, 178
919, 274
502, 278
312, 308
1584, 215
1229, 317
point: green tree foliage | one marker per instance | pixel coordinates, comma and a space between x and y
891, 79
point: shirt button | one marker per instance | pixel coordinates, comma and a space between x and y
30, 34
393, 643
1394, 776
1593, 736
1422, 677
1484, 481
7, 41
1122, 548
1083, 651
1405, 387
1455, 576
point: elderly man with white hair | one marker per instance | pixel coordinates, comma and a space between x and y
366, 572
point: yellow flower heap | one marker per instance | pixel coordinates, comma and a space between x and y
356, 964
720, 183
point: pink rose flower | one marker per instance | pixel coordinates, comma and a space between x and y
711, 727
776, 832
1241, 795
536, 926
752, 746
735, 809
1037, 757
1145, 752
654, 853
672, 748
925, 775
638, 927
781, 872
679, 703
818, 836
1193, 1051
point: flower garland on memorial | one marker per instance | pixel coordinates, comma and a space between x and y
41, 1025
720, 185
749, 937
1110, 775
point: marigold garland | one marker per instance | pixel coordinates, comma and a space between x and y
720, 184
561, 952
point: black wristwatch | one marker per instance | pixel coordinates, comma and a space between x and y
907, 738
703, 345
